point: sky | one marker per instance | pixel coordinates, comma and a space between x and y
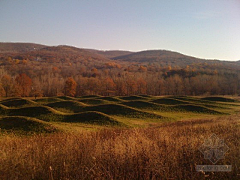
208, 29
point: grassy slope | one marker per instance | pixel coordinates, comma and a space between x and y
25, 125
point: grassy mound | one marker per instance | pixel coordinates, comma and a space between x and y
146, 96
92, 117
122, 110
48, 100
66, 98
110, 99
90, 96
74, 106
169, 101
172, 108
142, 104
16, 102
221, 99
195, 109
130, 98
94, 101
40, 112
194, 100
25, 125
4, 110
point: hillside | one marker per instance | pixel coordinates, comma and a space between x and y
19, 47
111, 53
63, 53
159, 56
69, 53
38, 52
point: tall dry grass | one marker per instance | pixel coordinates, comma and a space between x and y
169, 151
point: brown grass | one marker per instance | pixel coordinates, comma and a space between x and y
169, 151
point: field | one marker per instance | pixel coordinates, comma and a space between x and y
134, 137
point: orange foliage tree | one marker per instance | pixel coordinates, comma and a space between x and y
70, 87
24, 83
110, 86
142, 86
6, 84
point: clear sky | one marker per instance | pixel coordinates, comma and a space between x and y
207, 29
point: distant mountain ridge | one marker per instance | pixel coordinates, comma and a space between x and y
19, 47
157, 56
110, 53
69, 53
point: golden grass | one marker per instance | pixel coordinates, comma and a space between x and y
169, 151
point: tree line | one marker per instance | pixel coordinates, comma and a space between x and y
106, 83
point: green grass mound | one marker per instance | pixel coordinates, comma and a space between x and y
172, 108
130, 98
146, 96
93, 117
169, 101
48, 100
141, 104
110, 99
197, 100
74, 106
90, 96
25, 125
39, 112
221, 99
94, 101
15, 102
195, 109
122, 110
66, 98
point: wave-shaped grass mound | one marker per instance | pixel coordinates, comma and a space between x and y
66, 98
90, 96
130, 98
25, 125
110, 99
39, 112
194, 100
16, 102
195, 109
146, 96
122, 110
94, 101
172, 108
141, 104
74, 106
221, 99
169, 101
92, 117
48, 100
45, 113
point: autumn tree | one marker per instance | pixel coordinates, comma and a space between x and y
142, 69
142, 86
70, 87
109, 86
16, 90
24, 83
131, 87
6, 84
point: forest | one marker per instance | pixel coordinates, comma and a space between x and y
37, 70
